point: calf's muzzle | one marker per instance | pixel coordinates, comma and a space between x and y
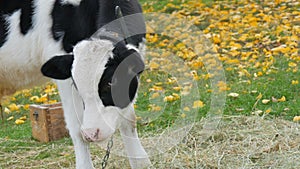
92, 135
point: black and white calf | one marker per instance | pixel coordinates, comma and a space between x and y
78, 43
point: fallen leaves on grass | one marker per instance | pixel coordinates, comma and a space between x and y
18, 105
265, 101
233, 95
259, 96
247, 37
198, 104
19, 121
296, 118
10, 118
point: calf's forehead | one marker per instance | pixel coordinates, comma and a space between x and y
90, 58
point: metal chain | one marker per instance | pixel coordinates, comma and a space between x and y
105, 158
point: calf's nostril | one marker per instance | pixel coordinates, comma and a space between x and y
97, 134
91, 135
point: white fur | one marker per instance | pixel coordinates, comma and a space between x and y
89, 64
21, 58
138, 157
91, 56
73, 116
141, 49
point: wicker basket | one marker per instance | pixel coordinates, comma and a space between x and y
47, 122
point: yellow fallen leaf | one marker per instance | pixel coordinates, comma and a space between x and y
292, 64
13, 99
257, 112
279, 49
282, 99
177, 88
186, 109
42, 99
33, 98
23, 118
259, 96
13, 107
171, 80
138, 118
239, 109
6, 110
26, 106
296, 118
18, 121
185, 91
295, 82
274, 100
158, 84
155, 108
10, 118
176, 96
268, 110
216, 39
51, 101
234, 95
155, 95
169, 98
149, 29
155, 88
265, 101
153, 65
198, 104
209, 90
223, 86
259, 74
48, 90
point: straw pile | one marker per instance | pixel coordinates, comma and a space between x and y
239, 142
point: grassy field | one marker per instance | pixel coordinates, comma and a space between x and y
237, 59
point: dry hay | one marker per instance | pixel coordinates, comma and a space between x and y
239, 142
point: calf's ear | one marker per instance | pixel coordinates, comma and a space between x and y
58, 67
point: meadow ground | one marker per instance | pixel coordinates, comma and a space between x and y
221, 90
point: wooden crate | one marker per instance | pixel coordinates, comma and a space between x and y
47, 122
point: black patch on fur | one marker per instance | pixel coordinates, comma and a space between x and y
134, 24
58, 67
106, 81
26, 16
74, 23
3, 30
8, 7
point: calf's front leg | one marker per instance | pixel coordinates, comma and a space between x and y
73, 112
138, 158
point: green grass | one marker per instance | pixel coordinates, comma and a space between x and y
158, 5
275, 84
272, 85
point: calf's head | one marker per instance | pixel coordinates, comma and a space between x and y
106, 78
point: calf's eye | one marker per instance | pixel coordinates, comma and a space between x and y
106, 88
